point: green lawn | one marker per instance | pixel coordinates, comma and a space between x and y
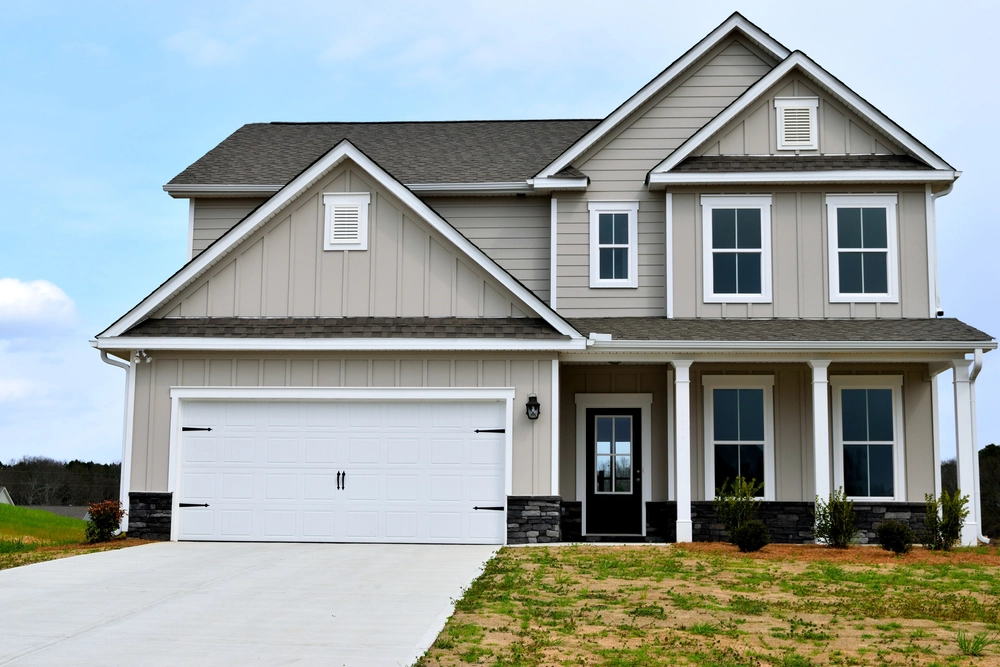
38, 526
654, 605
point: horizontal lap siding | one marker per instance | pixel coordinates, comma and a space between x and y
617, 167
799, 257
526, 373
512, 231
215, 217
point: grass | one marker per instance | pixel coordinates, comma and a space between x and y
32, 536
668, 605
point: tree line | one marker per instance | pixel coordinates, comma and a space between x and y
989, 487
38, 480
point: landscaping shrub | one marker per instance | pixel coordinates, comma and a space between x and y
895, 536
105, 520
751, 536
944, 517
737, 503
835, 520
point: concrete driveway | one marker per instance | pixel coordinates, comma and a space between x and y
234, 604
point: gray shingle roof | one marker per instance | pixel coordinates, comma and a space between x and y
729, 163
428, 152
346, 327
780, 330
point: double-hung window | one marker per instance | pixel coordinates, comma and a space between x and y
614, 245
739, 431
736, 239
862, 241
868, 436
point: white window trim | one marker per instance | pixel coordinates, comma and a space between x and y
895, 383
334, 199
708, 204
810, 103
765, 382
632, 209
834, 202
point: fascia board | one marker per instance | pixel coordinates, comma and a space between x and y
353, 393
734, 22
790, 346
827, 81
503, 187
227, 190
344, 150
844, 176
552, 183
336, 344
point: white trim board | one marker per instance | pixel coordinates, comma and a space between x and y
345, 150
335, 344
735, 22
795, 177
642, 402
832, 85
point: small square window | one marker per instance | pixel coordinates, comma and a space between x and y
862, 238
737, 252
613, 244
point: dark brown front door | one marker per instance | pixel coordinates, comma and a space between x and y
614, 471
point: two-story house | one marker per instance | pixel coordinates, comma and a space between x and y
553, 329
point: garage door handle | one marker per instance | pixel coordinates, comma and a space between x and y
343, 480
491, 430
495, 509
192, 504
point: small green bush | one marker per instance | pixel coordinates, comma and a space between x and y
835, 520
737, 503
895, 536
944, 518
105, 520
751, 536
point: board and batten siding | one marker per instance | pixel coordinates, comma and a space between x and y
526, 373
799, 259
512, 231
281, 270
839, 130
617, 166
214, 217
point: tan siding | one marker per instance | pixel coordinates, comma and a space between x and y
799, 261
215, 217
526, 373
513, 231
408, 270
754, 131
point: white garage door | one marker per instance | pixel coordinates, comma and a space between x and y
342, 471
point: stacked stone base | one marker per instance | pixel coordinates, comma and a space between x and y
870, 515
533, 519
149, 515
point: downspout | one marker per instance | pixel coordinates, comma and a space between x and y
932, 257
126, 464
977, 503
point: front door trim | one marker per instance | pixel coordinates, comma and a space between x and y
642, 402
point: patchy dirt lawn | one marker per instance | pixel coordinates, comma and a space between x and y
37, 554
707, 604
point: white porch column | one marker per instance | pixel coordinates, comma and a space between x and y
965, 447
821, 428
682, 438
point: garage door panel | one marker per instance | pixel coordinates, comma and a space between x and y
413, 471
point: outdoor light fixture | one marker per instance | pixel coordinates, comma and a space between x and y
141, 356
532, 407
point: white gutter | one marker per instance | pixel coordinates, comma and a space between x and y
556, 183
125, 476
337, 344
688, 346
495, 188
977, 502
932, 258
793, 177
218, 189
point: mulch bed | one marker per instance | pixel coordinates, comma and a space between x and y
860, 555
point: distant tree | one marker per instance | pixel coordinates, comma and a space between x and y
949, 475
39, 480
989, 487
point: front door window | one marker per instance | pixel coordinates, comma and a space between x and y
614, 454
614, 470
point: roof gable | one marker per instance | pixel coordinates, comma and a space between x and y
269, 211
800, 63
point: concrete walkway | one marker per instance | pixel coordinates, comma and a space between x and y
234, 604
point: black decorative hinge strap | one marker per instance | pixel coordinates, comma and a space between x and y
192, 504
495, 509
491, 430
196, 428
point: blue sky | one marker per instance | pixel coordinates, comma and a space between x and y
102, 104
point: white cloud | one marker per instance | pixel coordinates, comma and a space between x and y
200, 49
15, 389
34, 308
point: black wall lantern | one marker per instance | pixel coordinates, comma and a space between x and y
532, 407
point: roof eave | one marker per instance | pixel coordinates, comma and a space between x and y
484, 344
744, 346
659, 181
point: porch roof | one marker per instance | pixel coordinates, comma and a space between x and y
936, 330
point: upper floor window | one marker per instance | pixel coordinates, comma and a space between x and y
797, 127
863, 255
345, 223
868, 431
614, 244
737, 248
739, 431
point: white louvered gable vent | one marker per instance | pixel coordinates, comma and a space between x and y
797, 127
346, 221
